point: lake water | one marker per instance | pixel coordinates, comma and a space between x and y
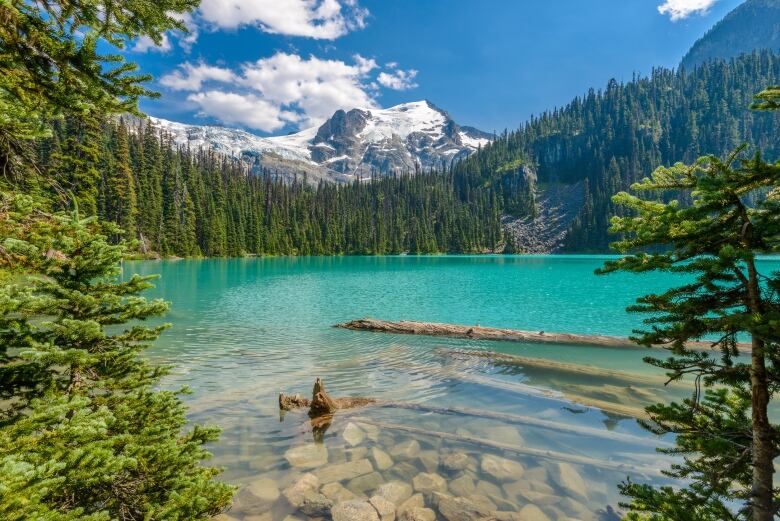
557, 438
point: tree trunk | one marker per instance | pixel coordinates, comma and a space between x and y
763, 444
763, 447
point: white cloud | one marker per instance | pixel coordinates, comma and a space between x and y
191, 77
146, 44
271, 92
243, 109
398, 79
185, 39
680, 9
319, 19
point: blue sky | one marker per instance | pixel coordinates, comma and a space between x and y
274, 66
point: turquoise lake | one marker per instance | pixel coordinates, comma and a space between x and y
245, 330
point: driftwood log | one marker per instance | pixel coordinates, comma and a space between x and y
524, 451
408, 327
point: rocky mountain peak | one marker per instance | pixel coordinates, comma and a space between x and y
351, 144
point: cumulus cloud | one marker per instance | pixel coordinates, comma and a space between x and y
243, 109
272, 92
681, 9
192, 77
146, 44
319, 19
398, 79
185, 39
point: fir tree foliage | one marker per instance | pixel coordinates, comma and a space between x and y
51, 62
83, 432
723, 214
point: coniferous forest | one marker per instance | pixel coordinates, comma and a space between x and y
608, 139
194, 202
184, 202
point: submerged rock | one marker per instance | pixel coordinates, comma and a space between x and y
501, 469
344, 471
463, 486
307, 456
426, 483
353, 434
381, 459
532, 513
454, 461
486, 488
415, 501
259, 517
418, 514
296, 492
429, 459
264, 490
356, 453
575, 509
336, 492
461, 509
406, 450
384, 508
315, 504
405, 470
567, 477
395, 491
366, 482
483, 502
354, 510
372, 431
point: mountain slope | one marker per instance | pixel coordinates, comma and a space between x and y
349, 145
600, 143
753, 25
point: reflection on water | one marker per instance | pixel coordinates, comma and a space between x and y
558, 440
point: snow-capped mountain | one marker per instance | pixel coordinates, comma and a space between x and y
349, 145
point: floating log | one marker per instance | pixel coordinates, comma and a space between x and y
528, 420
614, 408
627, 377
408, 327
524, 451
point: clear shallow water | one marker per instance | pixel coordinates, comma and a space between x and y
247, 329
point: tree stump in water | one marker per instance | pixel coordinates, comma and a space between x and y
296, 401
321, 404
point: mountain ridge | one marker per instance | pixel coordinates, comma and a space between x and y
751, 26
354, 144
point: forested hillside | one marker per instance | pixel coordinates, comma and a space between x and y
753, 25
608, 139
190, 203
193, 202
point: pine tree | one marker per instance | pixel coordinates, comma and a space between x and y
86, 435
725, 433
121, 206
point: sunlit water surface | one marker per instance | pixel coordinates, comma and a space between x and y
245, 330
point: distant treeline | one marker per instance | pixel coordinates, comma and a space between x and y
184, 202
